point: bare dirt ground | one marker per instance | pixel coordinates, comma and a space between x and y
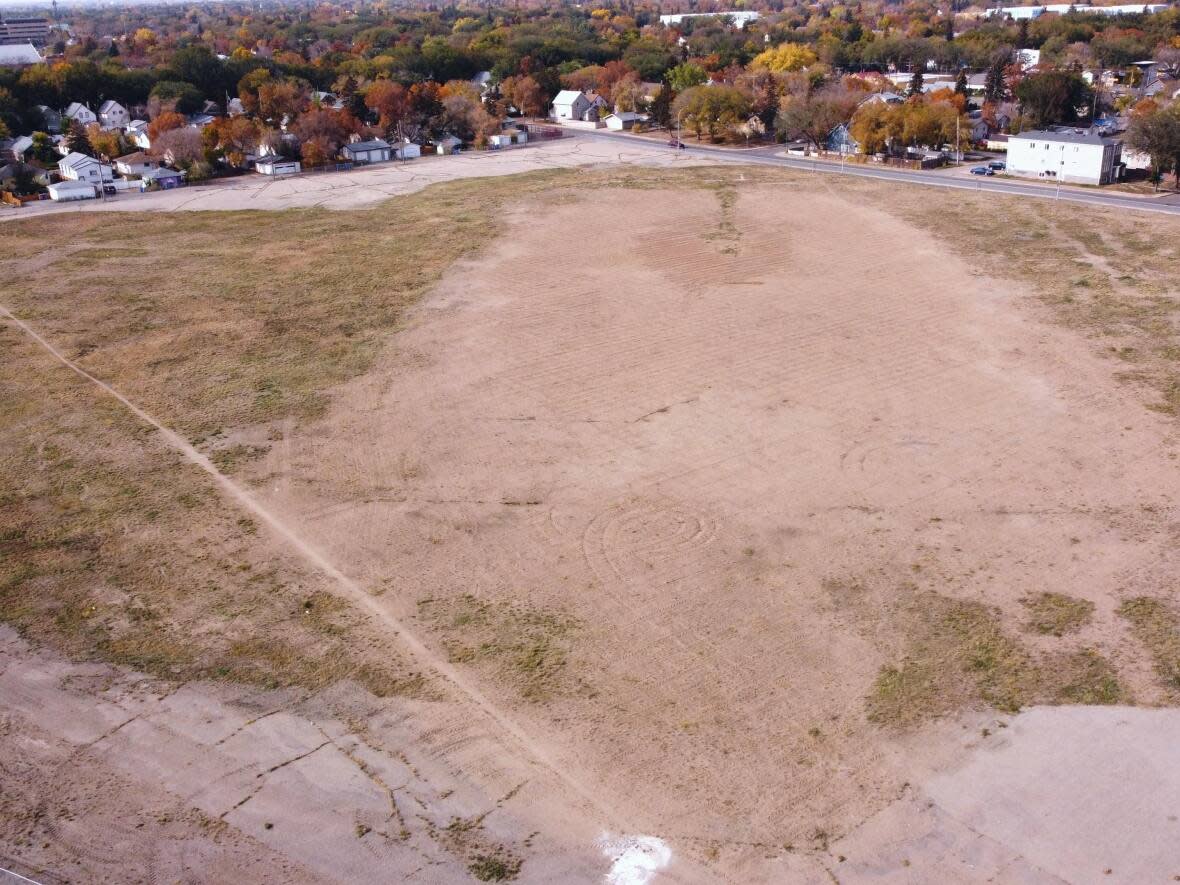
759, 510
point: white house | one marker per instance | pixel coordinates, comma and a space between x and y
375, 150
272, 165
79, 113
79, 167
570, 104
20, 146
64, 191
51, 117
135, 164
1076, 156
739, 17
112, 115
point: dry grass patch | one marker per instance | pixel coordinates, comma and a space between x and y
1156, 624
958, 656
1094, 269
1055, 614
526, 647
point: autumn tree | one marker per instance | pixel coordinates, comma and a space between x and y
1156, 132
166, 122
784, 58
389, 101
811, 114
685, 76
712, 109
183, 146
278, 99
661, 105
525, 94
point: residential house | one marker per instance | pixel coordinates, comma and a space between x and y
51, 117
135, 164
598, 105
20, 147
79, 113
840, 141
884, 98
137, 133
80, 167
1076, 156
623, 120
327, 100
375, 150
276, 165
112, 115
448, 144
235, 108
570, 104
65, 191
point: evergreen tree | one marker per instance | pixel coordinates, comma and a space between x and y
78, 139
661, 105
961, 83
994, 87
916, 82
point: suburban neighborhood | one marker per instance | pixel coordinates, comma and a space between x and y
1064, 113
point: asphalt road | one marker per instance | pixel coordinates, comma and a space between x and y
771, 157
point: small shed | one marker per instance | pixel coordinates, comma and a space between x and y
448, 144
376, 150
500, 141
277, 166
407, 150
623, 120
164, 177
65, 191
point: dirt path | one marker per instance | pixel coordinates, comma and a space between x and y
349, 588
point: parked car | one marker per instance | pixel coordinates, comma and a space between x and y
982, 170
676, 143
997, 165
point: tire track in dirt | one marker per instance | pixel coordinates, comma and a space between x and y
348, 587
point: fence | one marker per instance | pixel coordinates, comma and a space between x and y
541, 130
329, 167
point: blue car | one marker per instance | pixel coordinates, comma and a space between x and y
983, 170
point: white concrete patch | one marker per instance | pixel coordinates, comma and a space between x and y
635, 860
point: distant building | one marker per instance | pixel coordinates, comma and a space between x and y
622, 120
740, 18
1076, 156
24, 30
19, 54
1031, 12
72, 190
134, 164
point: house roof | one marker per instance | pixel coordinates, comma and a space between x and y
162, 172
75, 107
137, 126
567, 96
72, 186
627, 115
73, 158
20, 54
134, 157
109, 105
21, 143
1073, 136
373, 144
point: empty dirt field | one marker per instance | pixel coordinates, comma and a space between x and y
619, 525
